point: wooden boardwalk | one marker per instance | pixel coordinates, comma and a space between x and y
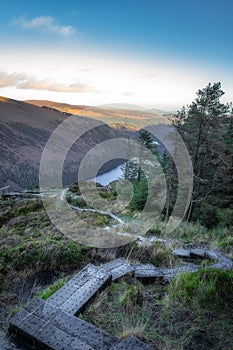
53, 324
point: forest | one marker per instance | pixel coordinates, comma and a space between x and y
206, 126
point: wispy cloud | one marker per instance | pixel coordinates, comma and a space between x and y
46, 24
150, 75
11, 79
24, 81
127, 93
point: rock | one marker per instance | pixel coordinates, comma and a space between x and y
148, 273
182, 253
84, 294
212, 255
224, 262
170, 273
42, 323
37, 332
199, 253
118, 268
75, 294
52, 324
84, 331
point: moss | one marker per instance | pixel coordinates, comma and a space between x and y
101, 220
50, 290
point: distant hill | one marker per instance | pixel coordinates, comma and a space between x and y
24, 130
130, 118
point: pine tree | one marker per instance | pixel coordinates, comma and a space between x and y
202, 126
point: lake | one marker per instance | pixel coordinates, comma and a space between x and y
112, 175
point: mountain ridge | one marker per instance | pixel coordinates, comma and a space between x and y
109, 114
24, 132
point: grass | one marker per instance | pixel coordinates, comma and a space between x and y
50, 290
198, 310
41, 254
158, 254
206, 287
119, 309
194, 312
32, 243
15, 310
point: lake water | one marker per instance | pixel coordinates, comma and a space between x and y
112, 175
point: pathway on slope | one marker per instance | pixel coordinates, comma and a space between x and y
53, 323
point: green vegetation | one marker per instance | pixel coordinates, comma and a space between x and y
119, 309
207, 287
194, 309
29, 242
50, 290
138, 171
193, 312
41, 254
206, 126
198, 308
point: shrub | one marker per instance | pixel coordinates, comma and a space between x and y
47, 254
206, 287
101, 220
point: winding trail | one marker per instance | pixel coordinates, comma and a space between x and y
114, 217
222, 261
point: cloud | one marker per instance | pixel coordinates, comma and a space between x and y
24, 81
45, 23
127, 93
9, 79
87, 69
150, 75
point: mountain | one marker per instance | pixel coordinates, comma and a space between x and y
24, 131
112, 115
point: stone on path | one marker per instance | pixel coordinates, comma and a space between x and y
148, 273
75, 294
170, 273
41, 323
223, 263
118, 268
52, 324
198, 253
182, 253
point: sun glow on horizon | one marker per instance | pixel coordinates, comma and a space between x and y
90, 78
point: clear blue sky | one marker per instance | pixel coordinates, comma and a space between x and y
199, 32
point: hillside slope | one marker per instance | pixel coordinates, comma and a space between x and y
24, 132
128, 117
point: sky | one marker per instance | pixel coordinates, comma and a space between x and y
150, 53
